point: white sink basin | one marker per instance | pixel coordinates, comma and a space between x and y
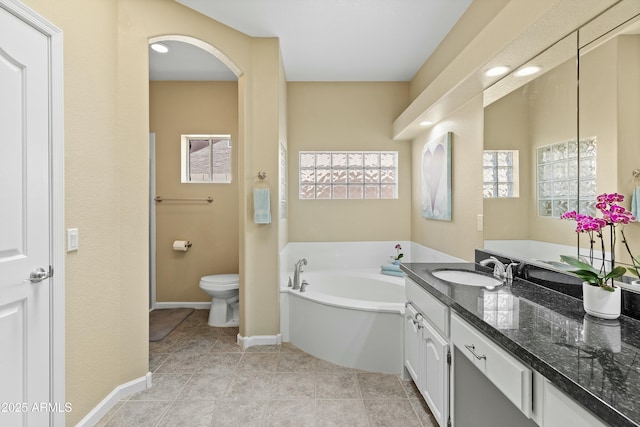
466, 277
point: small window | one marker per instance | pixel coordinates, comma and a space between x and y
348, 175
500, 174
206, 159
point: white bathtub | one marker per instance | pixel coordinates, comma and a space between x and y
349, 317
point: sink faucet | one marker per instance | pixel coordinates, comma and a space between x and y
297, 268
499, 269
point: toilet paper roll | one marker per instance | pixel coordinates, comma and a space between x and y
181, 245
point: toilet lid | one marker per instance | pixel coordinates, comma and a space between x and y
221, 279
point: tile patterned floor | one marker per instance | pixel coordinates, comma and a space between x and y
203, 378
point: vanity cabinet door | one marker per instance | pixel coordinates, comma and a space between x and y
412, 343
435, 388
561, 410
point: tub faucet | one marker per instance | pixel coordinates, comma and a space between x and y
297, 269
304, 285
499, 269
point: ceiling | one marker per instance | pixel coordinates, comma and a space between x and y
322, 40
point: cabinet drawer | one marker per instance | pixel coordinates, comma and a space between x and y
507, 373
428, 305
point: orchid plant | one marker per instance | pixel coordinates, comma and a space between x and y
613, 215
398, 253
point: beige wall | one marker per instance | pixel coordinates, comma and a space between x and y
259, 292
347, 116
458, 237
177, 108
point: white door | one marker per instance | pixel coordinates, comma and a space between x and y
24, 224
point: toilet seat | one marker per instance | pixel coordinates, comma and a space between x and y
220, 282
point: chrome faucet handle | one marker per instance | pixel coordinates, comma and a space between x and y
304, 285
509, 270
290, 284
499, 269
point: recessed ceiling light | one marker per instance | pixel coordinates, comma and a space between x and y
425, 123
160, 48
527, 71
497, 71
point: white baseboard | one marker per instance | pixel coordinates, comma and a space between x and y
196, 305
247, 342
112, 398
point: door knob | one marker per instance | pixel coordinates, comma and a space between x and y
38, 275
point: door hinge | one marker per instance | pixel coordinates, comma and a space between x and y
50, 271
448, 357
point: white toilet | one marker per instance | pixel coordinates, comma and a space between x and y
224, 292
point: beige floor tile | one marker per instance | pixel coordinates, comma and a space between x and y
331, 385
296, 362
156, 359
258, 362
241, 413
341, 413
391, 413
377, 386
206, 387
290, 413
250, 386
424, 414
189, 414
411, 389
213, 363
226, 343
139, 414
293, 385
165, 387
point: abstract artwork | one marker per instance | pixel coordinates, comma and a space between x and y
436, 178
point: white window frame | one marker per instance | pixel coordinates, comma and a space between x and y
184, 159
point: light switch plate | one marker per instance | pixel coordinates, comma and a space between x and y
480, 221
72, 239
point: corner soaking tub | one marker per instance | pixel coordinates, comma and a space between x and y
352, 318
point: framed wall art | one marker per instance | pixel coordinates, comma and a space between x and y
436, 178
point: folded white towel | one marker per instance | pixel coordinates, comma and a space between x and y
261, 206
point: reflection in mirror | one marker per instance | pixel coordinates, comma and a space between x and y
609, 107
545, 115
535, 115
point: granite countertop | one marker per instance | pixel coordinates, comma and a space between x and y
595, 361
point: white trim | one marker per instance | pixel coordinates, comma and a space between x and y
152, 220
247, 342
56, 190
123, 390
196, 305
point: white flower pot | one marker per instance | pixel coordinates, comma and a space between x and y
635, 282
601, 303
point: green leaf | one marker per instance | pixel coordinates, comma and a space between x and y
608, 288
575, 262
615, 273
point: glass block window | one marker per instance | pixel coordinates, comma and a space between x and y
566, 173
500, 174
348, 174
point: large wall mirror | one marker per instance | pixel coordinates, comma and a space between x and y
575, 125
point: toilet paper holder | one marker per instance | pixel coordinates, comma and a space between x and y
181, 245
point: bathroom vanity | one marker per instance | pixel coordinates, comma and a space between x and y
516, 354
